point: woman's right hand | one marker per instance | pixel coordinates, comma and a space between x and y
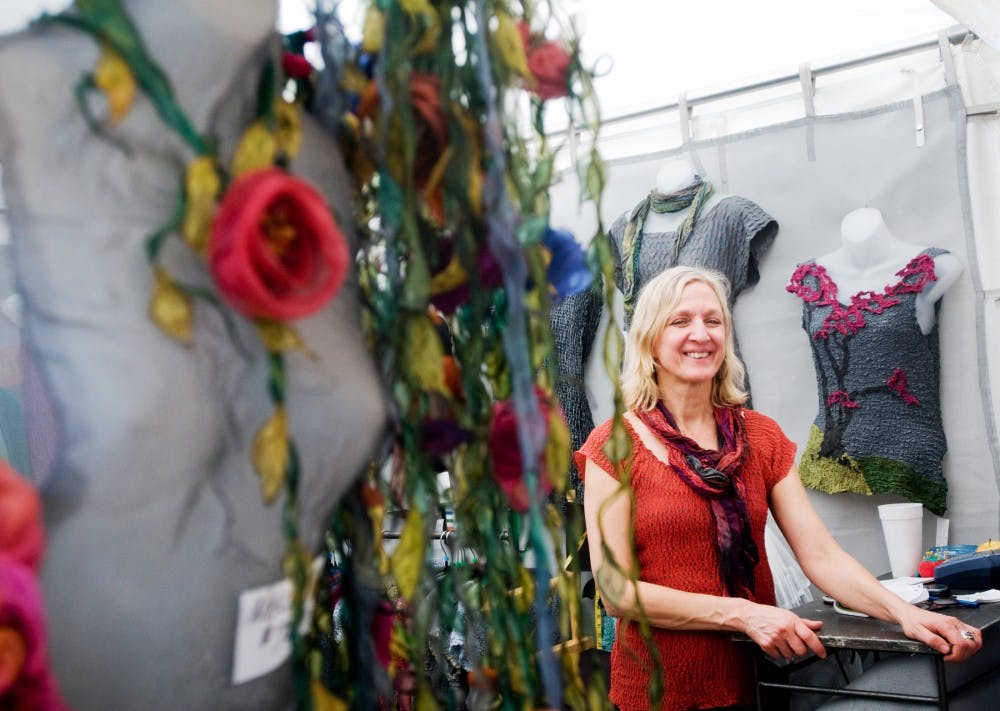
782, 634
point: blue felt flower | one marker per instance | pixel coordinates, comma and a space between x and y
567, 273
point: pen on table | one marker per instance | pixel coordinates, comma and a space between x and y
967, 603
957, 601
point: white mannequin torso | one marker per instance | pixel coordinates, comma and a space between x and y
154, 516
672, 176
870, 257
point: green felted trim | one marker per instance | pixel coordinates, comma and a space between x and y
830, 475
887, 476
868, 475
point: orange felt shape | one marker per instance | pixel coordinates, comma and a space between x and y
12, 654
22, 537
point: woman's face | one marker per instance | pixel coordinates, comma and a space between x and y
692, 345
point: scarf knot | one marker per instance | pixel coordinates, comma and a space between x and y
717, 477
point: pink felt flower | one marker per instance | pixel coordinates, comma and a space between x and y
26, 682
842, 398
897, 383
275, 250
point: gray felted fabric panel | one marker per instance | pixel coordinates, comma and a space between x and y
867, 158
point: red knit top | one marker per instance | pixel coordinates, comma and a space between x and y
675, 547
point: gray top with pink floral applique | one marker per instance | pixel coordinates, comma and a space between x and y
878, 382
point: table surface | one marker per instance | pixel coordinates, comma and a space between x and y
842, 631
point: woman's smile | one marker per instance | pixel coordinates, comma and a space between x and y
692, 346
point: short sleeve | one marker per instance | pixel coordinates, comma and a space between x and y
771, 449
593, 449
615, 236
760, 230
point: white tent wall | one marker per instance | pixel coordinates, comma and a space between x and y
864, 139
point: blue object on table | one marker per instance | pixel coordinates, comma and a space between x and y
973, 571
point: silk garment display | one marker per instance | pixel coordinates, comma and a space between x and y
730, 238
878, 427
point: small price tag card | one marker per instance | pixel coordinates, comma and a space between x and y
263, 616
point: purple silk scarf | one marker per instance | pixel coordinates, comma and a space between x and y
716, 476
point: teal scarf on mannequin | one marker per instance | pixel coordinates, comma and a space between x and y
693, 196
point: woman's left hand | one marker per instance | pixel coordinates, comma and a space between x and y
956, 640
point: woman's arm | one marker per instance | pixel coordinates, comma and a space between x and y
608, 511
838, 574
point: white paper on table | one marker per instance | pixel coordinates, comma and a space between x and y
911, 590
991, 595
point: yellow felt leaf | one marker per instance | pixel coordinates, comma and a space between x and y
323, 700
533, 300
475, 191
270, 454
398, 646
415, 7
279, 337
170, 308
353, 80
256, 150
408, 557
373, 30
471, 132
426, 700
452, 276
202, 185
525, 593
116, 81
353, 125
557, 450
297, 568
516, 678
437, 172
288, 128
512, 192
508, 40
424, 355
377, 515
429, 39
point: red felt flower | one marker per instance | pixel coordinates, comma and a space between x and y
548, 62
429, 121
22, 538
275, 250
381, 624
505, 453
295, 65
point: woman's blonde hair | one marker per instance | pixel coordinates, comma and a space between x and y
657, 301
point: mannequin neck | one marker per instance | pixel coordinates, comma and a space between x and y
867, 242
202, 45
869, 257
675, 175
